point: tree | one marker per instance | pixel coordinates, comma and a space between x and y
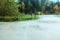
8, 8
56, 9
22, 6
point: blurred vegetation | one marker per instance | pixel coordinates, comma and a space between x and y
9, 11
39, 7
8, 8
26, 9
27, 17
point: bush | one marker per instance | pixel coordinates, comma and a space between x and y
8, 8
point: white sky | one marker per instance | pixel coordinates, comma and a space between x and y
49, 0
54, 0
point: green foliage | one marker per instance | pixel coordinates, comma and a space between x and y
27, 17
8, 8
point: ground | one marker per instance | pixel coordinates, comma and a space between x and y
45, 28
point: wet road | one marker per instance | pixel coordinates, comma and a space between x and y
47, 27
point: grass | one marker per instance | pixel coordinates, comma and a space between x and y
19, 18
28, 17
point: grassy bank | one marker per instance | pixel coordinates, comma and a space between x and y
28, 17
18, 18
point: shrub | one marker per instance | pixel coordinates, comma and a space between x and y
8, 8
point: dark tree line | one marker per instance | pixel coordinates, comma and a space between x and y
30, 6
33, 6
